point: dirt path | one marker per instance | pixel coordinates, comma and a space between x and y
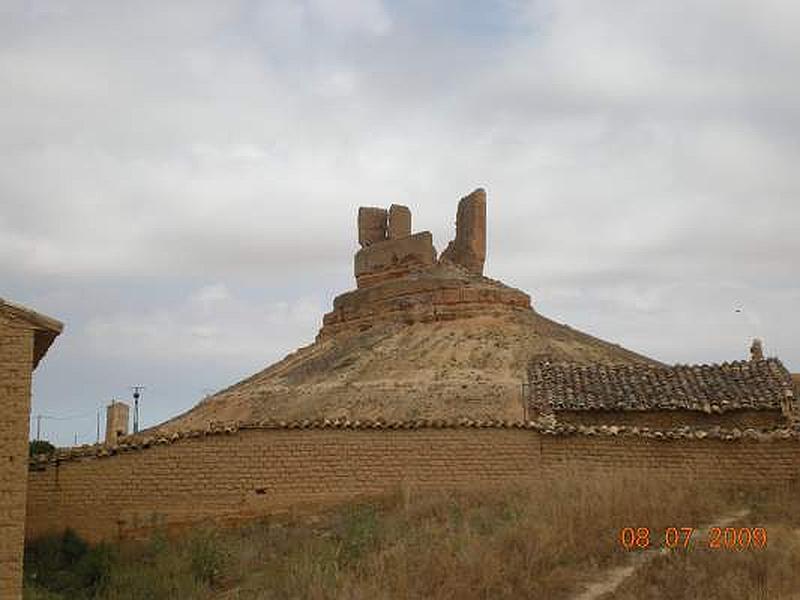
613, 578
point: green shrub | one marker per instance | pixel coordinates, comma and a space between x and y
207, 557
66, 564
40, 447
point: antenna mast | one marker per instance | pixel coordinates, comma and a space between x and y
137, 393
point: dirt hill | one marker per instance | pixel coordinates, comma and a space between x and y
461, 368
420, 337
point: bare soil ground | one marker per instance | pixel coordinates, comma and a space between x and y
470, 368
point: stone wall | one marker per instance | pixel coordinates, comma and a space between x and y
399, 223
468, 249
229, 477
393, 259
372, 223
16, 364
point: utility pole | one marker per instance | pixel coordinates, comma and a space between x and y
38, 427
98, 426
137, 392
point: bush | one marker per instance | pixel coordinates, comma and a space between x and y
207, 558
66, 564
40, 447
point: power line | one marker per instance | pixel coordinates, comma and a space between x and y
62, 418
67, 418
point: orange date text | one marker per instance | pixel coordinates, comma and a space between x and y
719, 538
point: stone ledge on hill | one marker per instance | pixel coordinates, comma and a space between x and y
442, 292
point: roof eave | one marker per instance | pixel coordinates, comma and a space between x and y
46, 329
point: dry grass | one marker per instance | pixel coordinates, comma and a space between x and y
526, 542
769, 574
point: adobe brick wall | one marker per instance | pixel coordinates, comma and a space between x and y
738, 462
667, 419
256, 472
230, 477
16, 363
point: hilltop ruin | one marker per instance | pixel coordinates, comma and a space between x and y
400, 279
389, 249
422, 335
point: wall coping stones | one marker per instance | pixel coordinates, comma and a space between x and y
135, 443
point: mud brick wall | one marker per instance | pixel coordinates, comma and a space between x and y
667, 419
254, 472
736, 462
236, 476
16, 363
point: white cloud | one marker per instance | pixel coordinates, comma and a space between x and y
211, 324
639, 157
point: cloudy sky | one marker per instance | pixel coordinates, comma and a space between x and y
179, 181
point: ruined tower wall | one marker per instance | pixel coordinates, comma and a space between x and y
399, 222
469, 247
393, 259
372, 223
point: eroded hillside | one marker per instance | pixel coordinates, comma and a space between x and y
420, 337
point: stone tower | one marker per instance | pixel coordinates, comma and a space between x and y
757, 350
117, 415
469, 247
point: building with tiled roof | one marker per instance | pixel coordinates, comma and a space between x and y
754, 393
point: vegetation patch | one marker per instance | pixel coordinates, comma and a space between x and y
544, 541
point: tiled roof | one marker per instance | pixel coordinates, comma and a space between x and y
135, 443
756, 385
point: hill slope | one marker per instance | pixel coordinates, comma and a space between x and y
419, 337
460, 368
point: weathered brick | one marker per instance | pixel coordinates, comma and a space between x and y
217, 477
24, 337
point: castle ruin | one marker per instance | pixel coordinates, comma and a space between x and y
447, 407
389, 250
400, 278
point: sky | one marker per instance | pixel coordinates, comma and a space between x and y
179, 181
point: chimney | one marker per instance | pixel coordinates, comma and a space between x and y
117, 414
